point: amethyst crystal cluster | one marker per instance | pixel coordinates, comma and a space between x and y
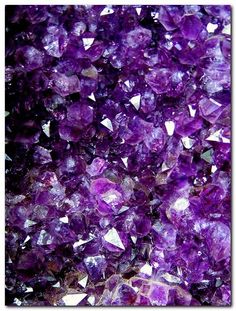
118, 155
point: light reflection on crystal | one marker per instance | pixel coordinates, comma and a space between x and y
106, 11
92, 97
135, 101
87, 43
73, 299
207, 156
170, 127
180, 204
118, 155
113, 238
187, 142
107, 123
146, 269
211, 27
84, 281
46, 128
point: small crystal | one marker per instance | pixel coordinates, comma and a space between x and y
125, 161
111, 196
17, 302
81, 242
171, 278
65, 219
227, 30
55, 43
216, 136
78, 28
57, 285
44, 238
213, 168
192, 111
26, 240
28, 223
138, 10
96, 266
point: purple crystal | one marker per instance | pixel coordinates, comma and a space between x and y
29, 58
64, 85
118, 155
108, 194
55, 42
80, 114
218, 241
96, 266
191, 26
158, 79
96, 167
138, 38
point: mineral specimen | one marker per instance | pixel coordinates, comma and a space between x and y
118, 163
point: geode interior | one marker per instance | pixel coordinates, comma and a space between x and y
118, 164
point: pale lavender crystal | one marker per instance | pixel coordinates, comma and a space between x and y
218, 241
96, 266
169, 17
155, 141
108, 194
42, 155
138, 38
96, 167
164, 235
210, 109
158, 295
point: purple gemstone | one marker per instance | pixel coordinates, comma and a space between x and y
191, 26
118, 155
29, 58
80, 115
64, 85
55, 42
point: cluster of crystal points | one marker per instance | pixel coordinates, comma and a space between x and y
118, 155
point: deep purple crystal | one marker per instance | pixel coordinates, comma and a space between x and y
118, 155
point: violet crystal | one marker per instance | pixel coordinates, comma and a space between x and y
118, 165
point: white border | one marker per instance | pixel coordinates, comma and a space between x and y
2, 130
